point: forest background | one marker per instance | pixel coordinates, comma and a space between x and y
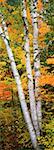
13, 130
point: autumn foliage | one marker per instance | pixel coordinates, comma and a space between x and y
5, 92
13, 130
16, 40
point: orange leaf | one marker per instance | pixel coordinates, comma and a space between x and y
39, 5
50, 61
29, 16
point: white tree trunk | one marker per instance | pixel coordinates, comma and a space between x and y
4, 26
36, 58
29, 71
20, 90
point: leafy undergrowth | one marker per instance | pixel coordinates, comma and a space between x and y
48, 125
13, 131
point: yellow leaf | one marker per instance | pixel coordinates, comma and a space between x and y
2, 64
19, 66
22, 35
30, 36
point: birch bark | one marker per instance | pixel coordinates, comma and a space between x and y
36, 58
19, 87
29, 71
